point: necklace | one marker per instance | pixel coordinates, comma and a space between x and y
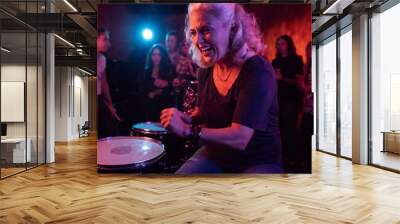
227, 77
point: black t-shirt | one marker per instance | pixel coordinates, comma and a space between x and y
290, 67
252, 102
165, 99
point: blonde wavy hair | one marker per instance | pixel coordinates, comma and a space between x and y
245, 37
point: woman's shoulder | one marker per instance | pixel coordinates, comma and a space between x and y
256, 59
258, 64
258, 71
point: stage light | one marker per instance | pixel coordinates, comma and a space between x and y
147, 34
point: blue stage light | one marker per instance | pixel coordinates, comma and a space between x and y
147, 34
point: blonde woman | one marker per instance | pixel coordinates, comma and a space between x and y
236, 117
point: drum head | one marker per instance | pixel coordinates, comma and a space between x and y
149, 128
117, 151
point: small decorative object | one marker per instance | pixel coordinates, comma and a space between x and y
189, 104
189, 100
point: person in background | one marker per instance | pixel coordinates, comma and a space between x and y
306, 118
185, 65
172, 46
288, 68
126, 90
185, 72
107, 114
157, 82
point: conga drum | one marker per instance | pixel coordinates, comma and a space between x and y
174, 146
130, 154
149, 129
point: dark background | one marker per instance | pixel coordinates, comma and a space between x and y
126, 22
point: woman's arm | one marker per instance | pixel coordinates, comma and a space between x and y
236, 136
258, 92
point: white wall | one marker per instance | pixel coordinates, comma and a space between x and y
80, 110
61, 103
71, 93
33, 127
16, 72
9, 73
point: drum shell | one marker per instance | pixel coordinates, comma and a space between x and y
173, 145
158, 136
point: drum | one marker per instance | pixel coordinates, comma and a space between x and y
174, 146
149, 129
129, 154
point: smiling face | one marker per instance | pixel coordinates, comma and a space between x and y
209, 36
156, 56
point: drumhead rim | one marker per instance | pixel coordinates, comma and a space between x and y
132, 137
138, 165
148, 131
143, 162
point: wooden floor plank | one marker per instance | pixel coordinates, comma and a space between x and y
71, 191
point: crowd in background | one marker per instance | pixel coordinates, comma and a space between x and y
138, 90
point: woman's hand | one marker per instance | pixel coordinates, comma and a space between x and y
176, 122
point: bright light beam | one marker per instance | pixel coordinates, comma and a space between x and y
147, 34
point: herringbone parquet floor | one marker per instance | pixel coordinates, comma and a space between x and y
70, 191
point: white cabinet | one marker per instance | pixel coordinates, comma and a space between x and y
17, 147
